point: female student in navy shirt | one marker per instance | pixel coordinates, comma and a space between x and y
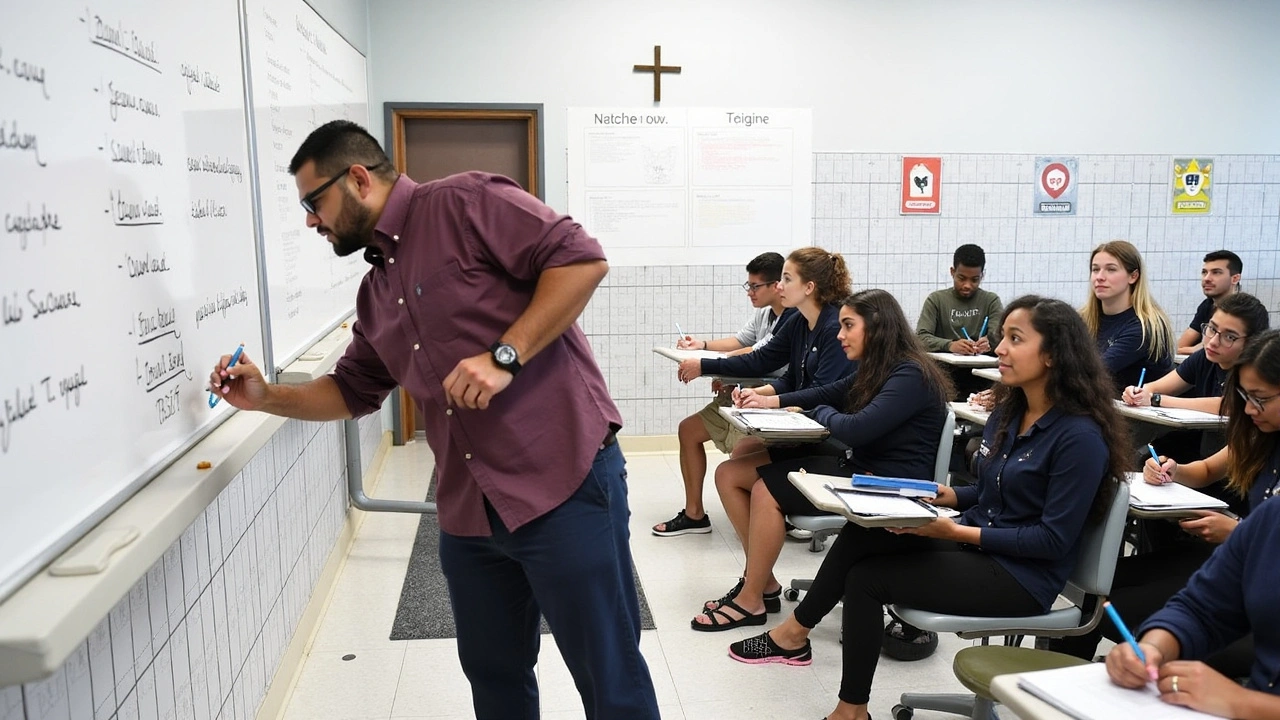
891, 416
813, 282
1131, 330
1049, 456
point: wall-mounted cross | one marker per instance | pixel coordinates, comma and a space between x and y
657, 68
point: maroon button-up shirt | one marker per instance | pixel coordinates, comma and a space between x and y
454, 263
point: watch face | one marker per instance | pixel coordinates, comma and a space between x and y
505, 354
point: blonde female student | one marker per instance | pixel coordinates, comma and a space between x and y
1131, 330
1049, 456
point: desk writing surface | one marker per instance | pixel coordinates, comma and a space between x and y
965, 411
1181, 418
813, 487
776, 425
1171, 500
987, 373
1022, 703
679, 355
977, 361
1180, 358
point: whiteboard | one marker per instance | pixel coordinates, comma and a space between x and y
303, 75
691, 186
127, 261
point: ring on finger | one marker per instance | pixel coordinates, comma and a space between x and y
1174, 684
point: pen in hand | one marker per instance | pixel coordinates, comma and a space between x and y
235, 357
679, 333
1163, 478
983, 332
966, 333
1128, 637
1142, 376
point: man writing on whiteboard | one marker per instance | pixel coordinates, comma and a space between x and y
471, 304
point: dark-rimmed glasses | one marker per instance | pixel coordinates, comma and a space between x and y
308, 201
1210, 329
752, 287
1260, 403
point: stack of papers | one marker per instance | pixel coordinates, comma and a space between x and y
904, 487
1180, 414
682, 355
1172, 496
1087, 693
833, 494
776, 424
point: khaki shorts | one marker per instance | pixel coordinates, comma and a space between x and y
723, 433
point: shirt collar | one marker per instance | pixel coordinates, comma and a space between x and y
392, 222
1046, 420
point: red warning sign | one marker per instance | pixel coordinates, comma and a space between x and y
1055, 179
921, 185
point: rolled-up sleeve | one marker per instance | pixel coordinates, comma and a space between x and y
361, 376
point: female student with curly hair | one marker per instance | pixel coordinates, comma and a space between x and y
1131, 330
885, 420
1047, 465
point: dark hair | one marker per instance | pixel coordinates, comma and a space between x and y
887, 341
339, 144
1078, 383
1246, 307
767, 265
1249, 447
1234, 264
969, 255
826, 270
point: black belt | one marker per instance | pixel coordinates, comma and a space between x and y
610, 439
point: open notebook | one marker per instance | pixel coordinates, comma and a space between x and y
1086, 692
1146, 496
682, 355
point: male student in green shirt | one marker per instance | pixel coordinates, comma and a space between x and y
963, 319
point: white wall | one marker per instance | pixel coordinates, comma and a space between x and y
350, 18
1092, 76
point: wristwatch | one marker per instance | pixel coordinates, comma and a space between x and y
1155, 399
505, 357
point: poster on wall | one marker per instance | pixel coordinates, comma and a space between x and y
1056, 179
691, 186
921, 186
1192, 187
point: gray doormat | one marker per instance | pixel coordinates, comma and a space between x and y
424, 612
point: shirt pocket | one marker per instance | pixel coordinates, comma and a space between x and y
433, 301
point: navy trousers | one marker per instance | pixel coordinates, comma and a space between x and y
572, 565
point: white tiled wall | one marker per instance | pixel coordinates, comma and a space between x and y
200, 636
986, 200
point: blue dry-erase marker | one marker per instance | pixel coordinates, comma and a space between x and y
1142, 377
1124, 631
966, 334
235, 358
983, 332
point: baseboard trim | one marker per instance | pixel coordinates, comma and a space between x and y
641, 444
287, 672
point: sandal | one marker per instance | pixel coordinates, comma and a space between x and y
772, 600
762, 649
716, 625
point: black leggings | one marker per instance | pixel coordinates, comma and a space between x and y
871, 567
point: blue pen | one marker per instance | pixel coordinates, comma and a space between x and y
1155, 457
679, 331
1128, 636
966, 334
983, 332
235, 358
1142, 377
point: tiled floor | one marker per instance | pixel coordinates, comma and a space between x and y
694, 678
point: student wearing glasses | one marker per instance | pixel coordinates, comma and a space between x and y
1131, 330
1234, 593
1251, 464
763, 273
470, 303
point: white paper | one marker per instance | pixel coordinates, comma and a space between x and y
874, 504
1086, 691
1170, 495
777, 420
979, 361
681, 355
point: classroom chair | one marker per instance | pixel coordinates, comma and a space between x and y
1086, 590
823, 526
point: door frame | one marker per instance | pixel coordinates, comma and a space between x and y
394, 116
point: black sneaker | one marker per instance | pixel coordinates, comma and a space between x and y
762, 649
681, 524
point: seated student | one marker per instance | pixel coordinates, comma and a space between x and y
1145, 582
952, 319
1219, 277
813, 282
1233, 594
889, 419
1050, 454
763, 273
1131, 330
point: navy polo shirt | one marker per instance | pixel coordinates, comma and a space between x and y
1125, 352
1033, 497
1204, 313
1205, 377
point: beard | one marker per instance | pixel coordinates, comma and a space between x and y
354, 229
